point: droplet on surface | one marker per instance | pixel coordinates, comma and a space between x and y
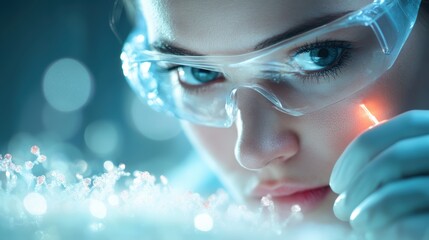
8, 156
59, 177
18, 169
163, 179
41, 180
41, 158
29, 165
12, 166
108, 165
86, 181
122, 166
266, 201
295, 208
35, 150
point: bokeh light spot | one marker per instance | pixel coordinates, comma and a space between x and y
153, 125
81, 166
113, 200
203, 222
102, 137
97, 209
67, 85
108, 165
35, 203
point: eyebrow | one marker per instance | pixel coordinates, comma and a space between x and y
164, 46
167, 47
302, 28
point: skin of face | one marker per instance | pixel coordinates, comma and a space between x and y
265, 144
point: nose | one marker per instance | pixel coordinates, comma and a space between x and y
264, 134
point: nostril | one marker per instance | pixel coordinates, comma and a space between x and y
279, 159
264, 135
255, 152
286, 145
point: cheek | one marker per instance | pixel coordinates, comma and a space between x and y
327, 133
338, 125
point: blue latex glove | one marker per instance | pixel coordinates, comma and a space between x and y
383, 179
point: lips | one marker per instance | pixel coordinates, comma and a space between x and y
287, 195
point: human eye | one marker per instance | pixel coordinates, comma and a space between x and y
197, 76
192, 76
321, 59
191, 79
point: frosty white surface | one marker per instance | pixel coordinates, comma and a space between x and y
118, 204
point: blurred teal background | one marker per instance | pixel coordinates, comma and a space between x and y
61, 88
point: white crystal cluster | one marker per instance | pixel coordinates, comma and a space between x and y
118, 204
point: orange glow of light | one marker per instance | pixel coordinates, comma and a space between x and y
370, 115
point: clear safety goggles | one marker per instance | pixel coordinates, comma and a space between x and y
298, 75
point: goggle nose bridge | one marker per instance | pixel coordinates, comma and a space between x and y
231, 101
252, 68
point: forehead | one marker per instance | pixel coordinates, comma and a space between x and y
232, 26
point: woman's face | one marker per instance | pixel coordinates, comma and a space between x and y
266, 151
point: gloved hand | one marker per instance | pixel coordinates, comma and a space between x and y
383, 179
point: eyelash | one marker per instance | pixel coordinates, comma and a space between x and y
312, 77
188, 88
332, 71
